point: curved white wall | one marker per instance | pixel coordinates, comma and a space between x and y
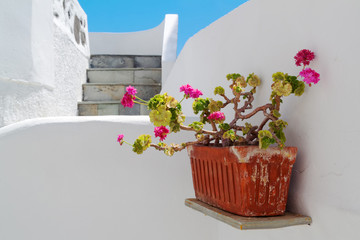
71, 175
43, 61
148, 42
68, 178
159, 41
262, 36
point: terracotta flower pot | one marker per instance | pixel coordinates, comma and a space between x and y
244, 180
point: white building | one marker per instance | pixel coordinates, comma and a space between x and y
67, 178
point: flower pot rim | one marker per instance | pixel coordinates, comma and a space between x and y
243, 146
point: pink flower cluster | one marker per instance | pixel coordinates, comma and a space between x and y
131, 90
190, 92
120, 139
161, 132
129, 97
217, 116
310, 76
304, 57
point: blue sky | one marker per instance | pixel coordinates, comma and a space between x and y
137, 15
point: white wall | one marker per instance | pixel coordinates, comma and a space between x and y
68, 178
148, 42
25, 43
42, 66
159, 41
169, 45
262, 36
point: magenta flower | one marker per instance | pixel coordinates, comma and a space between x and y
128, 100
196, 93
131, 90
310, 76
304, 57
121, 139
217, 116
187, 89
161, 132
190, 92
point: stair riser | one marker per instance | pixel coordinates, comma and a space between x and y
115, 92
114, 61
124, 76
111, 109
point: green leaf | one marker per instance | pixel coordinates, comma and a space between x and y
300, 89
214, 106
277, 127
233, 76
160, 116
219, 90
141, 143
157, 101
200, 104
276, 113
265, 139
253, 80
247, 128
224, 126
197, 126
278, 76
230, 135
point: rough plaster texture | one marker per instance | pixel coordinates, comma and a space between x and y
256, 37
20, 100
75, 182
69, 16
25, 95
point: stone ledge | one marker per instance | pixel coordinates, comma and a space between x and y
245, 223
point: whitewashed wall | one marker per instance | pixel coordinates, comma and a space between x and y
159, 41
68, 178
147, 42
71, 177
262, 36
42, 62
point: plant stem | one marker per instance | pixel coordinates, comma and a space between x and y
187, 128
142, 100
140, 103
182, 99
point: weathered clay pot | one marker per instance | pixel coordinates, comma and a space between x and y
244, 180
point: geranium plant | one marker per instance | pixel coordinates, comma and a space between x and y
166, 114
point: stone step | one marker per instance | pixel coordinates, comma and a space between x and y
124, 75
125, 61
114, 91
94, 108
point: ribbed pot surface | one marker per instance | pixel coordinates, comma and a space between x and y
244, 180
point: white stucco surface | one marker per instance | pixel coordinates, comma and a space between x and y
41, 69
148, 42
263, 37
158, 41
169, 46
25, 43
67, 178
70, 179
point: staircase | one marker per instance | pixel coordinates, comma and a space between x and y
108, 77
